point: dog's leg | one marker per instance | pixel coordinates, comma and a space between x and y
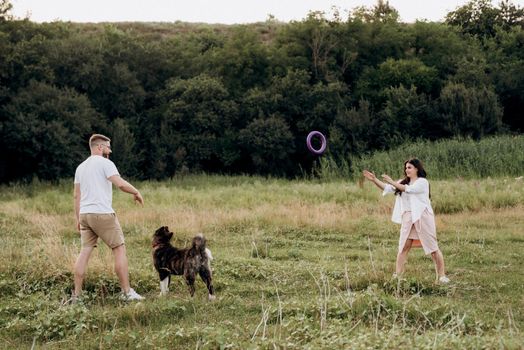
165, 278
190, 280
205, 274
164, 286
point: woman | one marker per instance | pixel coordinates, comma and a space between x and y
414, 212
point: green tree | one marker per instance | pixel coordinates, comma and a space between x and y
506, 64
374, 82
510, 15
477, 17
323, 48
242, 61
77, 62
472, 72
481, 18
123, 145
404, 117
509, 79
44, 132
469, 111
29, 60
439, 46
269, 143
5, 83
352, 131
381, 12
5, 9
121, 93
197, 116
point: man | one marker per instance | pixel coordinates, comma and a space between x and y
95, 217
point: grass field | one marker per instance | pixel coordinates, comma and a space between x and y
298, 264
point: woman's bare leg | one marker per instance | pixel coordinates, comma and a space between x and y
438, 259
402, 257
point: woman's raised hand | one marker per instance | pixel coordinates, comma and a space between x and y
369, 175
388, 179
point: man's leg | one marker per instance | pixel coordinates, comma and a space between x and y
121, 267
110, 231
81, 267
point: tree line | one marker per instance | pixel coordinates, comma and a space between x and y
184, 97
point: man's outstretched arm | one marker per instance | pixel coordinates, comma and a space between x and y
125, 186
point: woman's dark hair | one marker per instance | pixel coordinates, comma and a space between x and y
420, 172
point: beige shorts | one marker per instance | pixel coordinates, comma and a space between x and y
105, 226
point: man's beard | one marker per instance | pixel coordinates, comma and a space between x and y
105, 155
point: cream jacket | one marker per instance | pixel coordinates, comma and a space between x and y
416, 194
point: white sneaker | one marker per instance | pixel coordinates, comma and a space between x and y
132, 295
444, 279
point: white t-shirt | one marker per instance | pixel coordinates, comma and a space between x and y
96, 191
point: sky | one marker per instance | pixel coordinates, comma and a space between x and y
216, 11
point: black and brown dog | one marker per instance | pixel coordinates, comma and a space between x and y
169, 260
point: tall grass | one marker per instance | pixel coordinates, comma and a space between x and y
298, 264
498, 156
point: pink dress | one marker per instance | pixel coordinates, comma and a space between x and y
414, 212
423, 229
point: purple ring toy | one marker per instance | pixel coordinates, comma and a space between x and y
322, 140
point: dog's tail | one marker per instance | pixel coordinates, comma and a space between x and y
209, 255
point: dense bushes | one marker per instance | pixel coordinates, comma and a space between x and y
241, 99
